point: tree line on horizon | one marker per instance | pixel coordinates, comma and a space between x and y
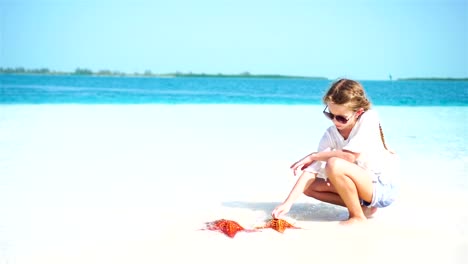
146, 73
78, 71
149, 73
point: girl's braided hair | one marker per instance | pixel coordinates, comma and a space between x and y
383, 137
349, 93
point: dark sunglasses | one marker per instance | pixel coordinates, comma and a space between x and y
338, 118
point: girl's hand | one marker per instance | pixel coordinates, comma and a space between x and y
281, 210
302, 164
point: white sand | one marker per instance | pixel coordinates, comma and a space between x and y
134, 184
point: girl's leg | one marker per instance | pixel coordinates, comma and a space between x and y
324, 191
351, 183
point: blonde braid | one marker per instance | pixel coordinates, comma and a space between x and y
383, 139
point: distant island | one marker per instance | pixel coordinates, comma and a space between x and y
432, 79
148, 73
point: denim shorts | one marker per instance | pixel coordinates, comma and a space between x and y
383, 194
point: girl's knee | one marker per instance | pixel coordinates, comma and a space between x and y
333, 165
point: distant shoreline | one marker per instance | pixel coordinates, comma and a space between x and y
432, 79
149, 74
252, 76
108, 73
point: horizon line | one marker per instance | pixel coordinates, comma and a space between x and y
79, 71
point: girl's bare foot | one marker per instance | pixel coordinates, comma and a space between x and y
368, 211
354, 220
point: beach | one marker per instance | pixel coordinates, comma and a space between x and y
136, 183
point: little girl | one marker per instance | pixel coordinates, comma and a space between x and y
353, 166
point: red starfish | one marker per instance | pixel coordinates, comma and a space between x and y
279, 225
228, 227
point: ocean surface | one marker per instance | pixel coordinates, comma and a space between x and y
44, 89
119, 169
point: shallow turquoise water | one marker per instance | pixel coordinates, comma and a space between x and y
24, 89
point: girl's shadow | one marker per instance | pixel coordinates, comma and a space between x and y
299, 211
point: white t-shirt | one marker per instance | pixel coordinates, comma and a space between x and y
364, 139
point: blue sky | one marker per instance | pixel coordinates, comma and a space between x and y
354, 39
